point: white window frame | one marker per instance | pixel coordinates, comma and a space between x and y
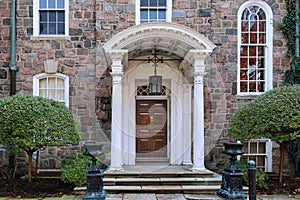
36, 84
269, 45
36, 21
267, 154
138, 12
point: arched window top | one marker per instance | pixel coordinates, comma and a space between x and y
253, 13
254, 6
45, 75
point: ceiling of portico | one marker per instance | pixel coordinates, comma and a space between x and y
173, 41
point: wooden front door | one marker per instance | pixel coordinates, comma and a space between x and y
151, 126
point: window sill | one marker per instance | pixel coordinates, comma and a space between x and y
248, 96
51, 37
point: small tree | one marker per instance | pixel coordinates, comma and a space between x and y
275, 115
31, 123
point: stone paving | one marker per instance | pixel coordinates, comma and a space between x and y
152, 196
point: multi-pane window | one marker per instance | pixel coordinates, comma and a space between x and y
254, 74
153, 11
51, 17
54, 86
260, 151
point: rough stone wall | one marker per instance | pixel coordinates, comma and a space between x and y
75, 56
4, 46
193, 14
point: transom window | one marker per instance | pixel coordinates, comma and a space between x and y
144, 90
51, 17
153, 11
52, 86
255, 50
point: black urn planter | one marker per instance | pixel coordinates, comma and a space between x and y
94, 176
232, 186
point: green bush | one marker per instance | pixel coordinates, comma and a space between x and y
31, 123
274, 115
261, 175
75, 168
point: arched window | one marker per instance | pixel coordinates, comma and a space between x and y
52, 86
255, 34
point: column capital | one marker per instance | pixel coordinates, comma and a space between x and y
117, 54
198, 58
198, 79
117, 66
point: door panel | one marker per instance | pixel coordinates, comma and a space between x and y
151, 126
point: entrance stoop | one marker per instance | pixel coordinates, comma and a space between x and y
161, 178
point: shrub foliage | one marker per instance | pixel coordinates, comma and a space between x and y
275, 115
75, 168
31, 123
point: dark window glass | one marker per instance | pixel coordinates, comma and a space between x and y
61, 28
52, 16
43, 16
61, 16
153, 3
52, 28
144, 3
162, 2
43, 28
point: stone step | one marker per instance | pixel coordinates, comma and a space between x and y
159, 174
188, 189
161, 178
163, 181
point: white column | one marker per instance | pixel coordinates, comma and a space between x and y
198, 130
116, 126
187, 125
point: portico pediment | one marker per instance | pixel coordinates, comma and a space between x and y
173, 41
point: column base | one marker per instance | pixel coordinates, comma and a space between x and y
187, 162
115, 169
197, 168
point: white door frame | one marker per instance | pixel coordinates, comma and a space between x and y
179, 127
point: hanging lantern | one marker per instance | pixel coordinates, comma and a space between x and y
155, 83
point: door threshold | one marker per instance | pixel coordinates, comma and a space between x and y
152, 159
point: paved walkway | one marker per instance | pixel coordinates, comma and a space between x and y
151, 196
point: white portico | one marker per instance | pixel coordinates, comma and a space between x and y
177, 116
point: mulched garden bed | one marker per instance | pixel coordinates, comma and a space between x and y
289, 186
38, 188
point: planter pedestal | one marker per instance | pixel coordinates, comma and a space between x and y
232, 186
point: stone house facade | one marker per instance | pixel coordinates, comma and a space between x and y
104, 52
